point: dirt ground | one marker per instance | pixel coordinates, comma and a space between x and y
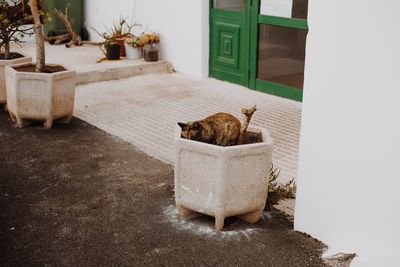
77, 196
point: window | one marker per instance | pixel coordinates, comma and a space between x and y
281, 54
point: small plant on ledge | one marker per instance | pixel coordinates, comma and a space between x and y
114, 37
133, 47
150, 46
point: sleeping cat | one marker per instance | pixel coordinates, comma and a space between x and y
220, 129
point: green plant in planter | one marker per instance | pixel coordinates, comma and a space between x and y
29, 86
14, 17
120, 31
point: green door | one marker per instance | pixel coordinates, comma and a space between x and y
260, 44
229, 29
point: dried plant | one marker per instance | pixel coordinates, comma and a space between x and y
149, 38
277, 191
120, 29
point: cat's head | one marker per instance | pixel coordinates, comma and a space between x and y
191, 130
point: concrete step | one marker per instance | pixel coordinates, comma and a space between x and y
114, 70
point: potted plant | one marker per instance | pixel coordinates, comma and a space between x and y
14, 15
114, 40
222, 181
111, 49
120, 32
40, 92
150, 42
133, 48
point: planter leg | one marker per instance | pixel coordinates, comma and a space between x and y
186, 214
22, 123
219, 222
13, 117
65, 120
252, 217
48, 124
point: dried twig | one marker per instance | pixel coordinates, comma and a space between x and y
248, 113
75, 39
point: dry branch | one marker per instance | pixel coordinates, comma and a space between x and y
74, 38
58, 38
248, 113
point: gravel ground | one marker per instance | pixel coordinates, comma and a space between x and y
77, 196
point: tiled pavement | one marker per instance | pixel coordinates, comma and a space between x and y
143, 110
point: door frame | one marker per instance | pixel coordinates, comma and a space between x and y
253, 20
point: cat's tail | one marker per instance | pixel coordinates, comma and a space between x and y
248, 113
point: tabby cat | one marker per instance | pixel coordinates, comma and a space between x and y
220, 129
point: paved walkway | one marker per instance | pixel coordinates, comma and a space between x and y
143, 111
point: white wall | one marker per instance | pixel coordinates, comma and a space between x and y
182, 24
349, 168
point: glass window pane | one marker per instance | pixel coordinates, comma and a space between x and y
285, 8
281, 54
231, 5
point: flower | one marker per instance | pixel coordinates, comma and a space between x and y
149, 38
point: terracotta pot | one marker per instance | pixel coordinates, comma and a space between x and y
121, 43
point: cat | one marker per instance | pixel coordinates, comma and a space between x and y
221, 129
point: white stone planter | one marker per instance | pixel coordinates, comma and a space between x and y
222, 181
3, 64
133, 53
40, 96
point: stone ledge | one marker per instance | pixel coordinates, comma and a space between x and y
108, 72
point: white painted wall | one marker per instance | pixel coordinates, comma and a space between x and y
349, 169
182, 24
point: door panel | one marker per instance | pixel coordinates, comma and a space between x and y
228, 46
227, 49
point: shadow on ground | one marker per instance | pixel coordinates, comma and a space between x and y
77, 196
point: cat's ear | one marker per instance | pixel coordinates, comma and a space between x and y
182, 125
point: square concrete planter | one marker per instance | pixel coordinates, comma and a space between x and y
44, 97
3, 64
222, 181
